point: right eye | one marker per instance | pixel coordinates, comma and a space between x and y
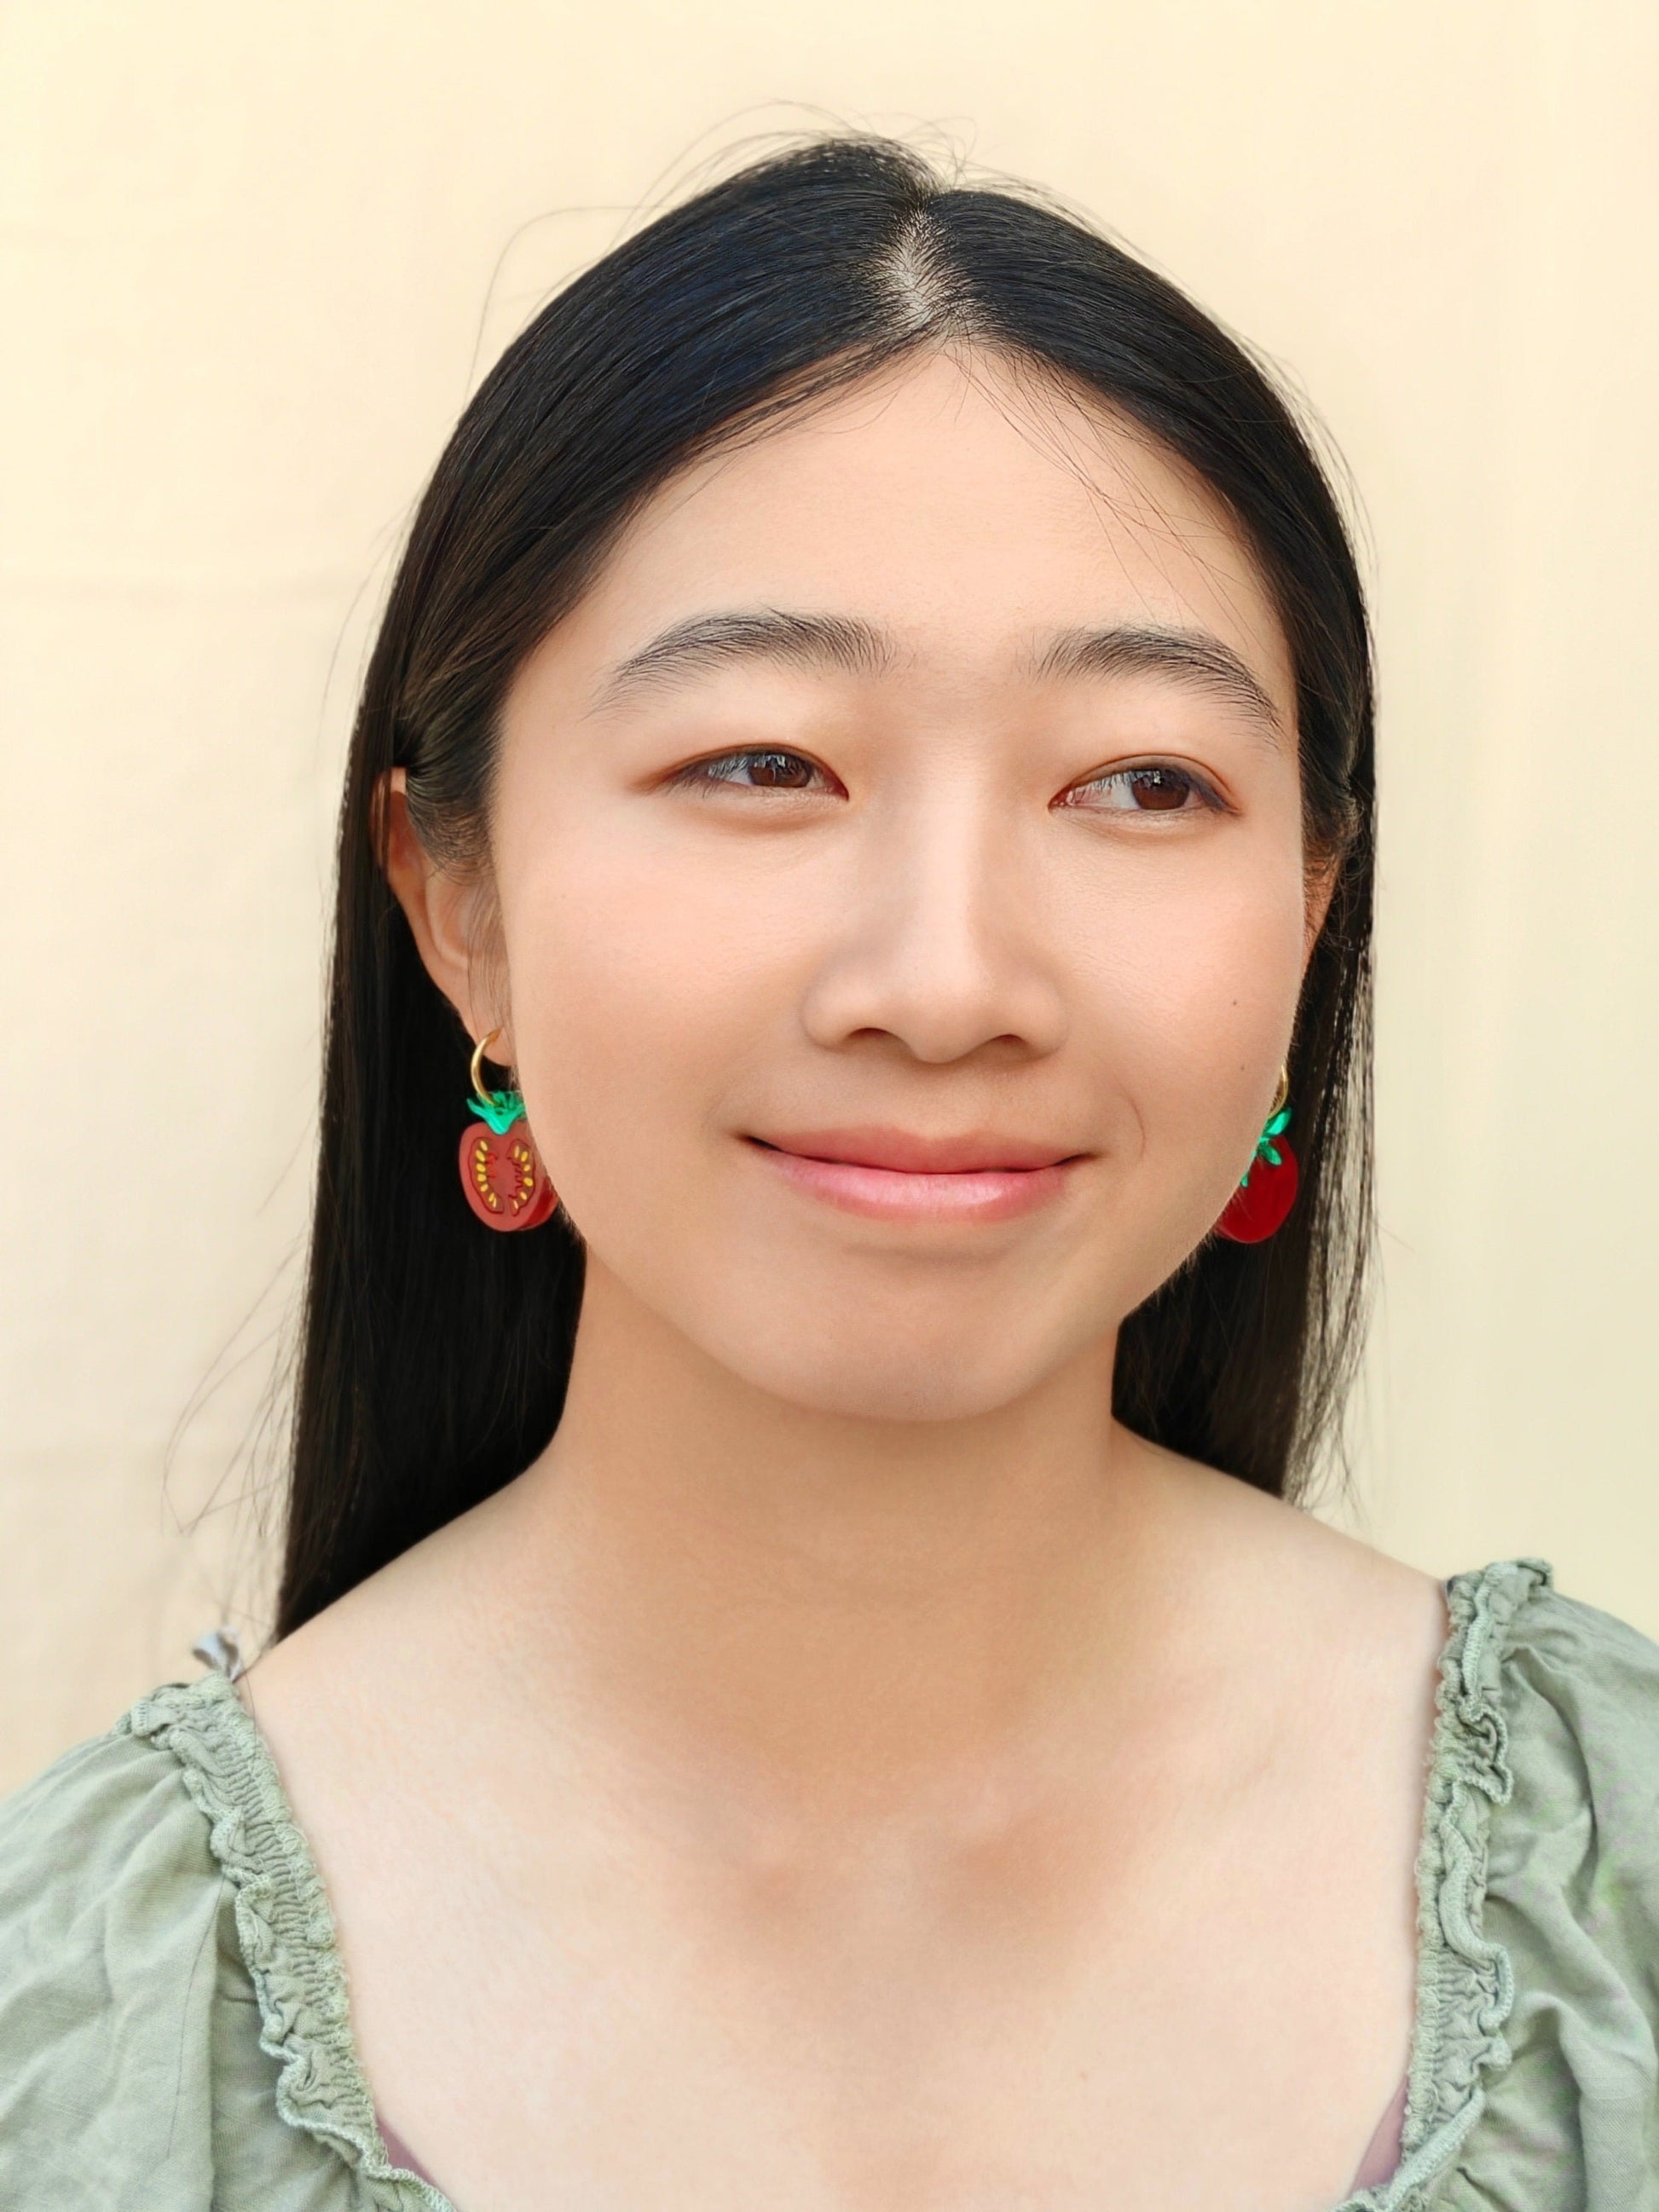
754, 768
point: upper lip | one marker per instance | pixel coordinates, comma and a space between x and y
900, 1149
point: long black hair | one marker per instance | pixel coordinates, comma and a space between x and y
434, 1356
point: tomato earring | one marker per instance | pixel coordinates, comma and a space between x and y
501, 1171
1266, 1189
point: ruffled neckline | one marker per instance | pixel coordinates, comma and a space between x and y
284, 1925
1465, 1981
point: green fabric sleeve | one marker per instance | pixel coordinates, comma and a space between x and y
1572, 1896
131, 2070
111, 1924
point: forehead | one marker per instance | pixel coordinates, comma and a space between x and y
962, 506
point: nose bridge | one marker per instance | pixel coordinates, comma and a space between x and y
940, 945
948, 873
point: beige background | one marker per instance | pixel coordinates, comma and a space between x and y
255, 258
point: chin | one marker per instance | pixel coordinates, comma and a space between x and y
890, 1382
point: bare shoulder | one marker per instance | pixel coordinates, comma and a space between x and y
1287, 1583
357, 1702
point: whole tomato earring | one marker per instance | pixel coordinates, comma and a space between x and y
501, 1171
1266, 1189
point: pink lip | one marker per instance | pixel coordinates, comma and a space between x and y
890, 1175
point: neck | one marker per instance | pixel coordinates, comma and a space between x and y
832, 1615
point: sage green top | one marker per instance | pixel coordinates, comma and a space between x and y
174, 2024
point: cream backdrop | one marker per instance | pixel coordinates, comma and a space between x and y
256, 257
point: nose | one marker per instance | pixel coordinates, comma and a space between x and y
941, 946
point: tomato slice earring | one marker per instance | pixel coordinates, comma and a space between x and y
501, 1171
1266, 1189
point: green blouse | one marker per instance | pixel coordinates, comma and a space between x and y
174, 2031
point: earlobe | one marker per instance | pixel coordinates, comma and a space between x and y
438, 905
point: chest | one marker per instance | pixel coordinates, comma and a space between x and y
1152, 2013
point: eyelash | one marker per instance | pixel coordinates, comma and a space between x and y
703, 774
1191, 783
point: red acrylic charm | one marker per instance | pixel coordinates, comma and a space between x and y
501, 1173
1259, 1206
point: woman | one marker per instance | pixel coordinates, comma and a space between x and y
801, 1677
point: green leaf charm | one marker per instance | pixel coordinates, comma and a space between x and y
501, 1109
1265, 1147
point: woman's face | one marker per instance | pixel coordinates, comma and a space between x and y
901, 900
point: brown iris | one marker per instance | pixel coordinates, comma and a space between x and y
1157, 790
778, 771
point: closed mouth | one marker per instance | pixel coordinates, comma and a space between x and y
897, 1176
903, 1152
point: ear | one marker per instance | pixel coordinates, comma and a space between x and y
449, 914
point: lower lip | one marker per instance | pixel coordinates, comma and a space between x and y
896, 1194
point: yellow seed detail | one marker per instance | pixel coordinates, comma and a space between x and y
480, 1181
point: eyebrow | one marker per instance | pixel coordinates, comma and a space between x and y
834, 642
857, 648
1195, 657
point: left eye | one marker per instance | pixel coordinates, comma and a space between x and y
754, 770
1141, 791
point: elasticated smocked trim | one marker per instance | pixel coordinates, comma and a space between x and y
1465, 1981
284, 1926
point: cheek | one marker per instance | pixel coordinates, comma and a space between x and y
1186, 1003
1212, 986
638, 996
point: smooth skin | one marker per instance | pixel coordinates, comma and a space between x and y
847, 1772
